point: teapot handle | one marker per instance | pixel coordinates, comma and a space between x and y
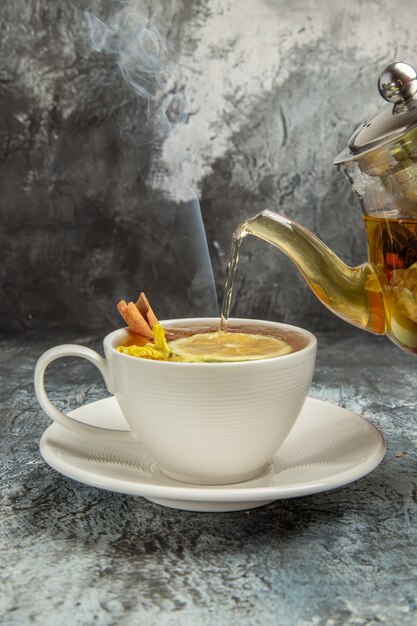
58, 416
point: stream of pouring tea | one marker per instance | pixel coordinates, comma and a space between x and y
238, 236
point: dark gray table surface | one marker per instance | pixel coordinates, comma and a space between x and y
76, 555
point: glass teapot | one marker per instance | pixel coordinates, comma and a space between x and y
381, 164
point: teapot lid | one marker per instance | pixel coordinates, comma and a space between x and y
397, 84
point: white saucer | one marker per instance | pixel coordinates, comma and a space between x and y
328, 447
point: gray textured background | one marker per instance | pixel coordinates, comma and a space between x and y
274, 91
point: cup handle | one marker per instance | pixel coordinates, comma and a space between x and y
79, 428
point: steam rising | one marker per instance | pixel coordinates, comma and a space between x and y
148, 67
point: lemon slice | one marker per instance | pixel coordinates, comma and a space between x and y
221, 346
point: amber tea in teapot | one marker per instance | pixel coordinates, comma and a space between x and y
392, 250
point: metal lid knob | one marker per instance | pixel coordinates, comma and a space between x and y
398, 82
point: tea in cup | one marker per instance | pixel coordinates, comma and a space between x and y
207, 421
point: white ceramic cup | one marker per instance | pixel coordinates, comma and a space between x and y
204, 423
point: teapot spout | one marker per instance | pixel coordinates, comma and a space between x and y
352, 293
